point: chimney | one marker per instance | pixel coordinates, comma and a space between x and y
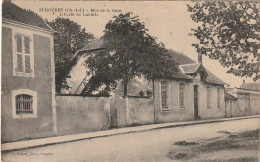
200, 58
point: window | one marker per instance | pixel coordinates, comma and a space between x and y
181, 95
24, 103
23, 56
164, 94
208, 97
218, 98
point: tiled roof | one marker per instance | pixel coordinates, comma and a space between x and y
251, 86
12, 12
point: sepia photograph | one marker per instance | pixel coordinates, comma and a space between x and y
130, 81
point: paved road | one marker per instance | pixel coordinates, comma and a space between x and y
149, 146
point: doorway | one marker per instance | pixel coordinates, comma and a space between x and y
196, 103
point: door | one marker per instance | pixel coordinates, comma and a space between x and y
231, 105
196, 108
247, 103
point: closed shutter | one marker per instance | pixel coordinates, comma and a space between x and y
19, 51
27, 64
19, 43
27, 45
23, 55
19, 63
27, 61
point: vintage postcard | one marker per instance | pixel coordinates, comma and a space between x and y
130, 81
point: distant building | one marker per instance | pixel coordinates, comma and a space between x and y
28, 87
248, 99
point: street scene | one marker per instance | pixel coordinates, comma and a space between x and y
156, 145
130, 81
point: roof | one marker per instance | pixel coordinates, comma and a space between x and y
179, 75
211, 78
95, 44
189, 66
228, 96
180, 58
12, 12
251, 86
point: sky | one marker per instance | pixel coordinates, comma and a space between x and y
169, 21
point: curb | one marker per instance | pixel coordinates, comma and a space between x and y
21, 145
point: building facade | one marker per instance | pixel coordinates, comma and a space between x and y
248, 99
28, 85
199, 97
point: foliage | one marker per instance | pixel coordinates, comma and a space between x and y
230, 33
70, 38
129, 52
101, 72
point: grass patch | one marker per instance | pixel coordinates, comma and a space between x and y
180, 155
247, 141
184, 143
224, 132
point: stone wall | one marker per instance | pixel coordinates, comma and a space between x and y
140, 111
79, 114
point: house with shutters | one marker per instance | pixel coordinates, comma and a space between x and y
28, 85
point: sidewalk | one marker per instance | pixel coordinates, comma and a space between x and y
69, 138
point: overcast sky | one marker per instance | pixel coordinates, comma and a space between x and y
170, 22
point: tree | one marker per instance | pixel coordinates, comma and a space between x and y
129, 52
230, 33
70, 38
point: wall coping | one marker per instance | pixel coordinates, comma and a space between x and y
144, 97
79, 95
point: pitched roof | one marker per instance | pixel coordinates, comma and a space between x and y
180, 58
12, 12
251, 86
211, 78
95, 44
229, 96
189, 66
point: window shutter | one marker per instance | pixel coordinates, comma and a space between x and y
19, 43
19, 63
27, 64
27, 45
